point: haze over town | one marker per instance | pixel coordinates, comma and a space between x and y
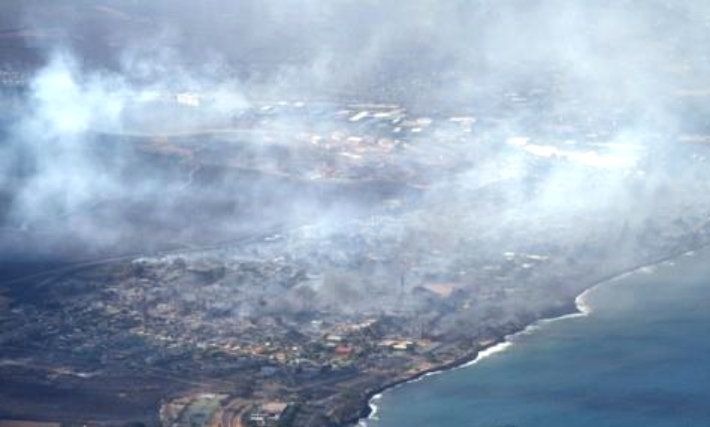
263, 207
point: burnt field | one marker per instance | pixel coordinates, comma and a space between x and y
116, 401
177, 198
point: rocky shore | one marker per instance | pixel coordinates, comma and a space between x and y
576, 307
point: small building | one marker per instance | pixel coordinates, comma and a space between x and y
403, 346
344, 350
440, 289
270, 412
332, 338
397, 345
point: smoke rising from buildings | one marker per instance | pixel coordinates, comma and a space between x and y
127, 68
210, 207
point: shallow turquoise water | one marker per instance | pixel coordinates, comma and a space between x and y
641, 358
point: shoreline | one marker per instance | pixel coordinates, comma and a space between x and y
581, 309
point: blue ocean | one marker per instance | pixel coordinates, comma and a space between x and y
641, 357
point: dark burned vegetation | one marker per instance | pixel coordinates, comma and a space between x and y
262, 215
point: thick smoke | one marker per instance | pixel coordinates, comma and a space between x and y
60, 164
131, 68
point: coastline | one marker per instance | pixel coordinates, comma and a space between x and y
579, 308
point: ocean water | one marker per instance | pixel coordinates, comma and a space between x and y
640, 358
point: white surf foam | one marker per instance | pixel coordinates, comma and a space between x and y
583, 309
490, 351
